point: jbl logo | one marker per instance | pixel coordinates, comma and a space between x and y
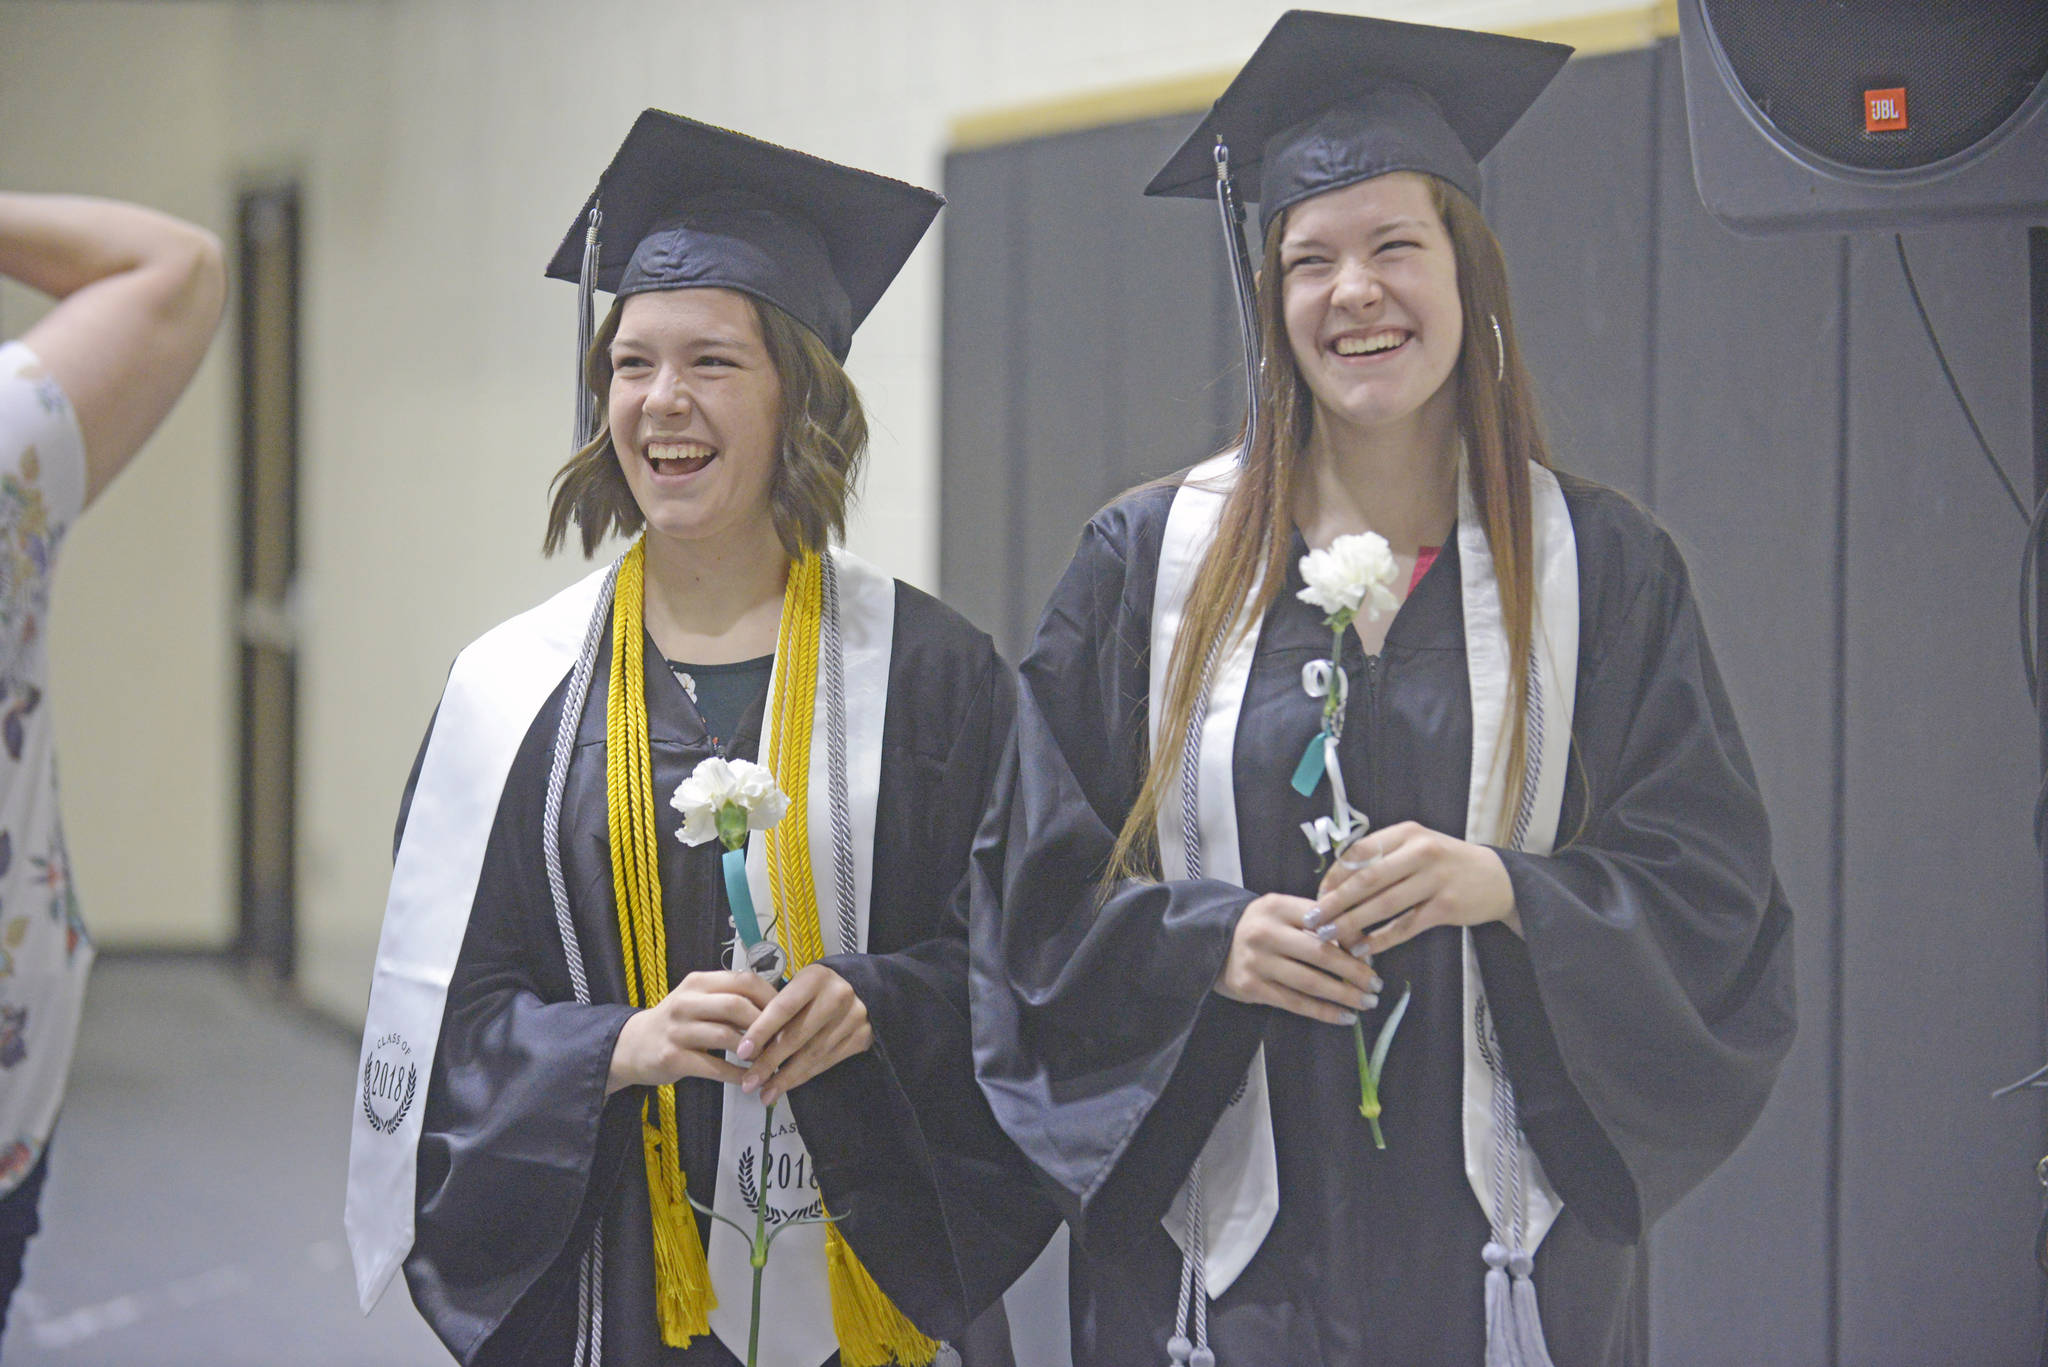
1884, 111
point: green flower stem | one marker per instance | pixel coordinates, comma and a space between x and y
1338, 621
763, 1238
1371, 1068
1368, 1087
760, 1253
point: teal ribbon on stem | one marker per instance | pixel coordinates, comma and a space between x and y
740, 897
1309, 772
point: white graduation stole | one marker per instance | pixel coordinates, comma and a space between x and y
796, 1329
497, 686
1239, 1173
1237, 1176
495, 689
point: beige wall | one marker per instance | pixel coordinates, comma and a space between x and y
443, 148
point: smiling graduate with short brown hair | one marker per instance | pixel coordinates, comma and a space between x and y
609, 1029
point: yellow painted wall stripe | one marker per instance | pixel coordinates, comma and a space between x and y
1622, 30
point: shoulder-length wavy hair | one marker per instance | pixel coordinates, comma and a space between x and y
823, 438
1496, 416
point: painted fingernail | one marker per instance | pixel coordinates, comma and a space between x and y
1369, 1001
1378, 984
745, 1051
1347, 1018
1360, 951
1312, 918
748, 1084
1327, 933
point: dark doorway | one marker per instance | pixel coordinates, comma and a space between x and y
268, 231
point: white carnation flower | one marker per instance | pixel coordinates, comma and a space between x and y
755, 790
1353, 574
717, 784
699, 824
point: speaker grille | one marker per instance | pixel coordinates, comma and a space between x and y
1805, 66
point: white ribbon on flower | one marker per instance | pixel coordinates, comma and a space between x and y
1345, 823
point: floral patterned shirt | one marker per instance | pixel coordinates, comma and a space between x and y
44, 952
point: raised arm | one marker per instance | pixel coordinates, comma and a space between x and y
139, 298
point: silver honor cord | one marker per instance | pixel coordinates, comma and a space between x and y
590, 1278
832, 662
1231, 213
1514, 1323
1189, 1346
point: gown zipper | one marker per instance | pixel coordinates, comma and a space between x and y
1371, 719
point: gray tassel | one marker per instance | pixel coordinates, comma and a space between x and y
1500, 1309
1245, 286
1514, 1329
586, 328
1528, 1322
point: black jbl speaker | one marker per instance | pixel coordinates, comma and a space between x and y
1839, 114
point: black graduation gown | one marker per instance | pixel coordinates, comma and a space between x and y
1643, 1019
521, 1151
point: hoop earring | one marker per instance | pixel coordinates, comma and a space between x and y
1500, 352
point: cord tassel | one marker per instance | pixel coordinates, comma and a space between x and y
1514, 1327
1528, 1322
683, 1298
872, 1332
1500, 1310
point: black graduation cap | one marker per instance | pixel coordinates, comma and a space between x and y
686, 204
1329, 100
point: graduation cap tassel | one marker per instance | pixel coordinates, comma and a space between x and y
586, 327
1231, 212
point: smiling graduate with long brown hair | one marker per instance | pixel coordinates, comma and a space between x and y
1563, 889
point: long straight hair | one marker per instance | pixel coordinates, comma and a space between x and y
1246, 564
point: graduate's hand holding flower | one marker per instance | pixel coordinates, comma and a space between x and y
687, 1032
1275, 960
815, 1022
1392, 885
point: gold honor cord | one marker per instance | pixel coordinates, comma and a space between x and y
683, 1298
789, 757
871, 1331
